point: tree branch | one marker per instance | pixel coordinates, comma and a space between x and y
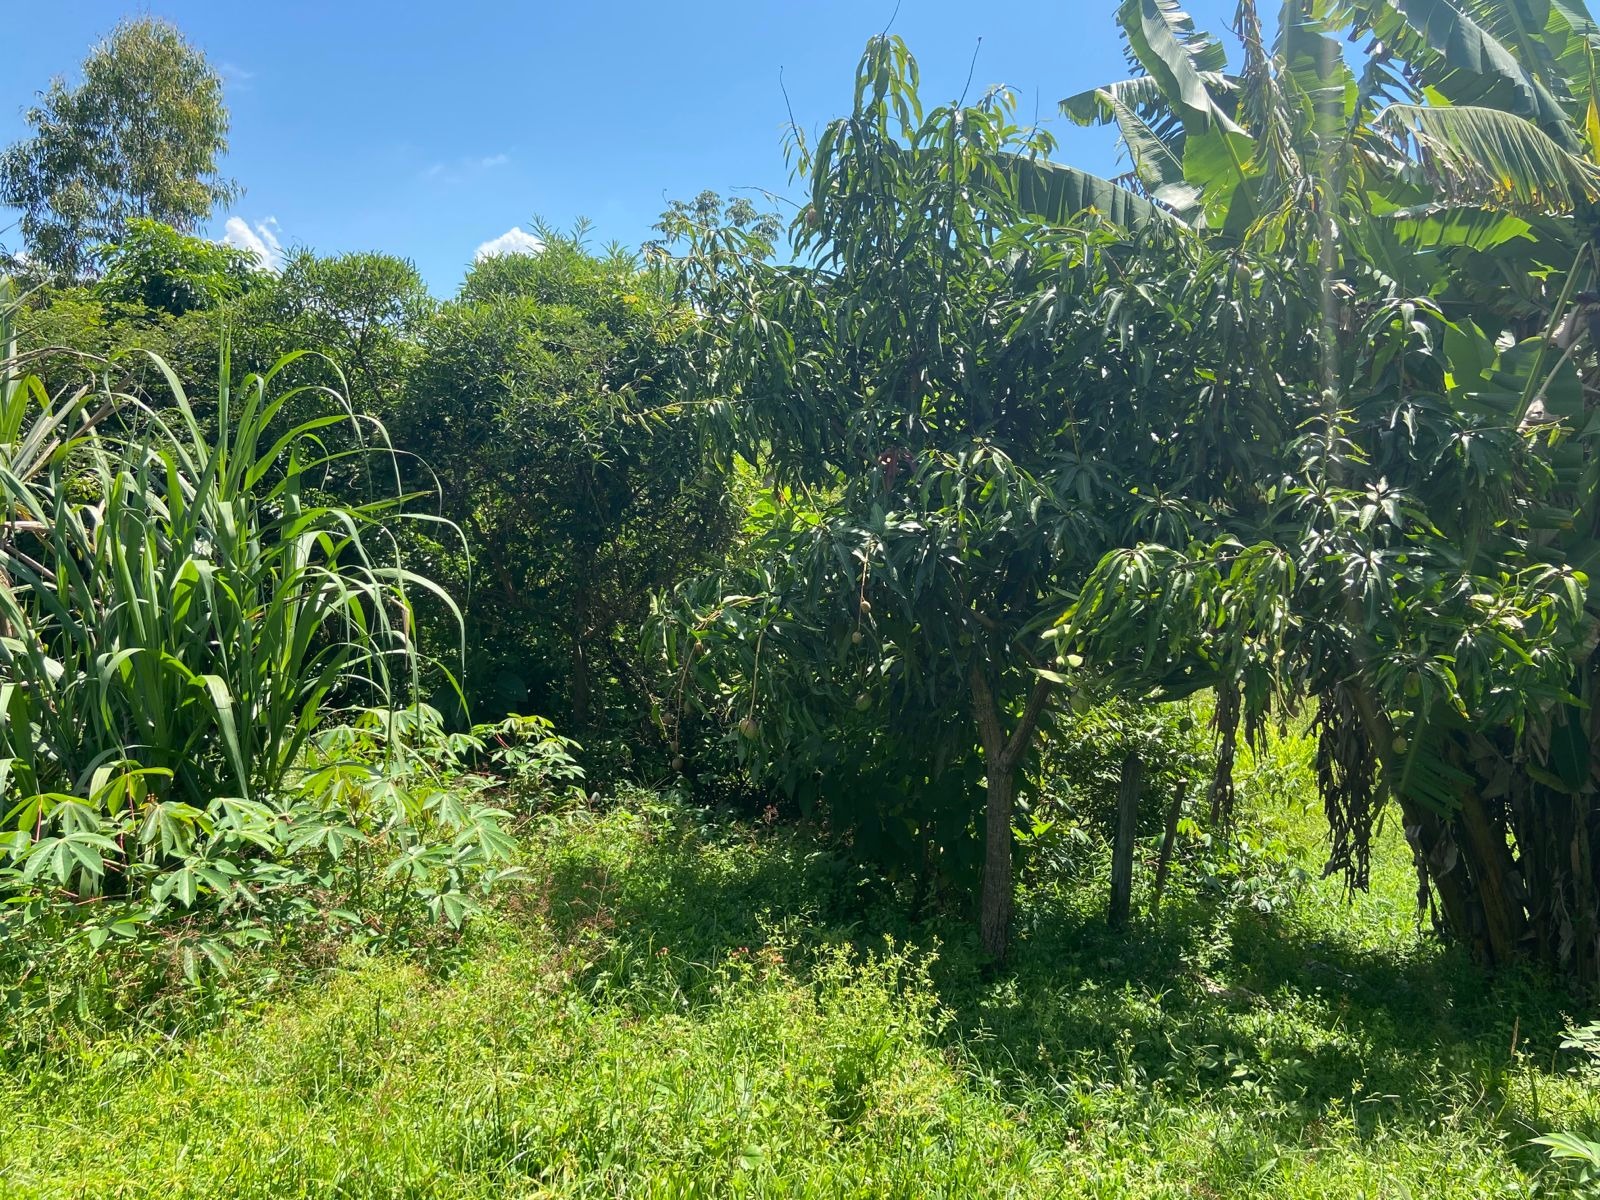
1023, 733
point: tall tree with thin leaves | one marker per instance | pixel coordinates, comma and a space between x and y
140, 136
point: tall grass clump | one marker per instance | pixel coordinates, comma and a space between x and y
186, 621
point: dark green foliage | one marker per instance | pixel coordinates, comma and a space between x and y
1265, 474
537, 404
157, 267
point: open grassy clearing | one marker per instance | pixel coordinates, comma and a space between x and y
674, 1006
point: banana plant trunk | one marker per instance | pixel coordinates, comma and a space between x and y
1513, 864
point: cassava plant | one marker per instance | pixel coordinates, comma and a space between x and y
181, 610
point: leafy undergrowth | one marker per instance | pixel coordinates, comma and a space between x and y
679, 1007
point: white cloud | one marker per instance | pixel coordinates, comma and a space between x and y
260, 240
515, 240
458, 170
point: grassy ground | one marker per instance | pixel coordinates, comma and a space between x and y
673, 1007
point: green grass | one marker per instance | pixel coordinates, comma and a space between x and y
679, 1007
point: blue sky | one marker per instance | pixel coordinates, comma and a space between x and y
426, 130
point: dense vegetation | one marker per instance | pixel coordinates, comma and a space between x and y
991, 538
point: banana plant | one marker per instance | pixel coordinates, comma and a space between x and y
1421, 571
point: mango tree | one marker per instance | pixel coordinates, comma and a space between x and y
948, 398
1419, 566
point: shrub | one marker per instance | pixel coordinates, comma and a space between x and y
389, 836
156, 267
538, 398
185, 621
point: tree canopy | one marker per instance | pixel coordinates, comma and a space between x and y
1315, 435
139, 137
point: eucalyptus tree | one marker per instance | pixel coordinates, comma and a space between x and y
947, 413
139, 137
1420, 564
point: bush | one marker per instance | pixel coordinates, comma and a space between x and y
183, 620
538, 400
156, 267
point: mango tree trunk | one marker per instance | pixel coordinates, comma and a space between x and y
995, 900
1002, 756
